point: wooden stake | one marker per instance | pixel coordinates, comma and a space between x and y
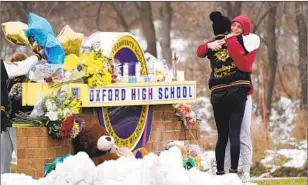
174, 61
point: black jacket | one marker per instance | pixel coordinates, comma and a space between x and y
5, 103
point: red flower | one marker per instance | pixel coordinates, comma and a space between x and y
66, 127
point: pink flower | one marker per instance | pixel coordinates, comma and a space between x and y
183, 109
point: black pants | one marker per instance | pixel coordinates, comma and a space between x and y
229, 106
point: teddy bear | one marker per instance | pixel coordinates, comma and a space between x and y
96, 142
92, 135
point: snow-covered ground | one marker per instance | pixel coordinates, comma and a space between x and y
282, 120
165, 169
295, 158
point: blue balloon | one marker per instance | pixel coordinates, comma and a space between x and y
53, 50
39, 28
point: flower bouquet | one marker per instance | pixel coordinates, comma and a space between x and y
58, 115
91, 68
185, 113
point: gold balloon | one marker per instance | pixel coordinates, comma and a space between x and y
71, 41
16, 32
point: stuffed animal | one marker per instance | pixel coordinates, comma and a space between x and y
125, 152
105, 143
94, 140
141, 152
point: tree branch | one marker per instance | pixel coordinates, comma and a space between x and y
137, 6
98, 15
256, 26
120, 17
52, 8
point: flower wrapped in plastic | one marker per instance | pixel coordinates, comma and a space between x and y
71, 41
185, 113
58, 115
42, 71
98, 69
16, 32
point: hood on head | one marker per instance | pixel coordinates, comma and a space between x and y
244, 21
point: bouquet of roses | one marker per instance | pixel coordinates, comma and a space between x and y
186, 114
58, 115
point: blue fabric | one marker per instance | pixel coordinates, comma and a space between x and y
53, 50
39, 28
52, 166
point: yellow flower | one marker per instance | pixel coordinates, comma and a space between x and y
72, 104
76, 128
92, 81
107, 78
70, 62
75, 105
96, 69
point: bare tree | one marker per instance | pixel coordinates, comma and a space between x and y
233, 8
145, 15
301, 22
272, 57
166, 19
120, 17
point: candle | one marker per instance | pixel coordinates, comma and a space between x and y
180, 76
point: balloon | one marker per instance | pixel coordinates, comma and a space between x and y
39, 28
71, 41
16, 32
53, 51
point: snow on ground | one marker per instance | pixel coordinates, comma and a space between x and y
165, 169
282, 120
297, 158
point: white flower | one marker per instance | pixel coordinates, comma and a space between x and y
66, 112
51, 105
53, 116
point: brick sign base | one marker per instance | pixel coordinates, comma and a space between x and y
35, 148
166, 127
